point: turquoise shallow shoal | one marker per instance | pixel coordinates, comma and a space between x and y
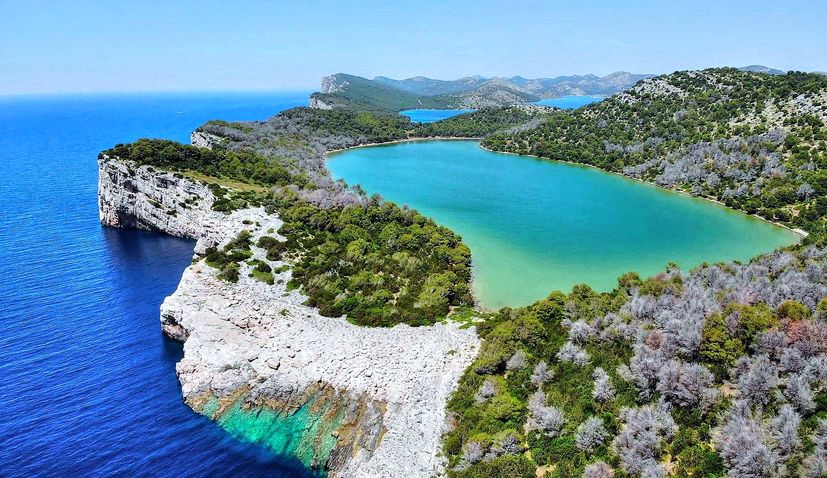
535, 226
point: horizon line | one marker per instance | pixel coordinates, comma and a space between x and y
161, 91
311, 89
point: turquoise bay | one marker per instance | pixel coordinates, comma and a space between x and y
571, 102
535, 226
431, 115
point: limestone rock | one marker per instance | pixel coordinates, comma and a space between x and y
382, 390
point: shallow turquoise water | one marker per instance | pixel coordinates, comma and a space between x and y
535, 226
570, 102
429, 116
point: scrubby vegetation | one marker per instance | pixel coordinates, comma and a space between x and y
228, 259
241, 165
368, 259
718, 372
488, 120
721, 370
296, 140
756, 142
377, 263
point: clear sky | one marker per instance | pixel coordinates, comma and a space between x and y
86, 46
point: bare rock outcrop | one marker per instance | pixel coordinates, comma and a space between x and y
360, 401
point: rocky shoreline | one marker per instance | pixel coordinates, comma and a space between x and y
354, 401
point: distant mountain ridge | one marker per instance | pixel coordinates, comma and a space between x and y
762, 69
382, 93
544, 87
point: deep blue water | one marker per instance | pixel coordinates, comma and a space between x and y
429, 116
570, 102
87, 381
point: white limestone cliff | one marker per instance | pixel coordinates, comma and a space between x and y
257, 344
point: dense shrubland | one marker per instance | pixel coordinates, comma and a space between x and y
377, 263
373, 261
720, 370
241, 165
297, 139
753, 141
489, 120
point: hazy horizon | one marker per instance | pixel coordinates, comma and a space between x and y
309, 89
98, 47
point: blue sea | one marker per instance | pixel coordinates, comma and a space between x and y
87, 381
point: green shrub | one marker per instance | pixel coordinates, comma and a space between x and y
507, 466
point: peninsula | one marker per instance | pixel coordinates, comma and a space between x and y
341, 328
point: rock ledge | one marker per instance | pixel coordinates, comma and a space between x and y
375, 396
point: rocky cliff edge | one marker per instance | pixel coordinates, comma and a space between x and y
355, 401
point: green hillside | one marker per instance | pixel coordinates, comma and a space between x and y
363, 94
719, 371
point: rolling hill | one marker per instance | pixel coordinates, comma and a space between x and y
382, 93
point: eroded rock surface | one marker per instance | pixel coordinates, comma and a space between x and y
371, 400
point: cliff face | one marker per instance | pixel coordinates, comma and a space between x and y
144, 198
356, 401
332, 84
320, 104
204, 140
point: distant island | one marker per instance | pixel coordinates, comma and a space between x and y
380, 93
471, 92
350, 321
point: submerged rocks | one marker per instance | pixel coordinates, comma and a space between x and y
388, 385
356, 401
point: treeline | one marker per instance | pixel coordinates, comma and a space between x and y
297, 138
340, 128
486, 121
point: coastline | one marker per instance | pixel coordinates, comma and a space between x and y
794, 239
437, 109
801, 234
256, 357
407, 140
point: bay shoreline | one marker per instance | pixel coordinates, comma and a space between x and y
801, 234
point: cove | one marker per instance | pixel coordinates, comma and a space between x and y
535, 226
